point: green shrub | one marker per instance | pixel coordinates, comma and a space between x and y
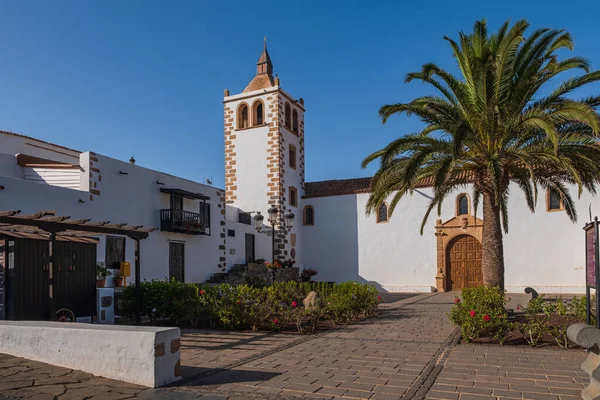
537, 320
481, 313
579, 309
250, 307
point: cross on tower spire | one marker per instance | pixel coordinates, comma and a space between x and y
264, 64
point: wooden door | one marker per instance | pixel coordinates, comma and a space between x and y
249, 248
464, 263
176, 261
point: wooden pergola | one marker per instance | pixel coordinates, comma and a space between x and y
46, 224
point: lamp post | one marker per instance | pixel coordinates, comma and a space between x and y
288, 223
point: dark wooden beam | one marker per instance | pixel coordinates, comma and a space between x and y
54, 226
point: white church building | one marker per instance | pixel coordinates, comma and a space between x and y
203, 230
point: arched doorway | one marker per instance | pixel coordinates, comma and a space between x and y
463, 256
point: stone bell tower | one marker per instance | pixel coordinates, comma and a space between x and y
264, 150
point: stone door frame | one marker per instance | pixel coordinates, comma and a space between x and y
444, 233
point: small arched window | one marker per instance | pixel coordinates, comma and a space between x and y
382, 213
295, 121
288, 116
553, 201
462, 205
309, 215
258, 114
243, 116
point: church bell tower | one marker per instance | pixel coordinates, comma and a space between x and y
264, 150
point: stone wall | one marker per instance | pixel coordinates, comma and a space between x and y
256, 274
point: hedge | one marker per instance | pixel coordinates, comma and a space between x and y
273, 307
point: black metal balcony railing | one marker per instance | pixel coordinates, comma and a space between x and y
183, 222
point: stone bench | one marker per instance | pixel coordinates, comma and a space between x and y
147, 356
588, 337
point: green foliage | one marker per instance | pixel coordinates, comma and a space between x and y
494, 124
579, 309
541, 316
552, 316
102, 272
481, 313
559, 330
538, 318
271, 307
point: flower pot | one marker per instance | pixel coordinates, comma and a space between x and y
118, 282
100, 282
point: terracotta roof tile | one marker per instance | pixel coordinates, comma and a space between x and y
261, 81
337, 187
341, 187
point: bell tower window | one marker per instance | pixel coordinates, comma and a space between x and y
258, 113
288, 112
295, 121
292, 155
243, 116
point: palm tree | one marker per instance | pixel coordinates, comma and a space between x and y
491, 126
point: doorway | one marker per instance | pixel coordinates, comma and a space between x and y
177, 261
464, 263
249, 248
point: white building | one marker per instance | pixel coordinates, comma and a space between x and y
206, 230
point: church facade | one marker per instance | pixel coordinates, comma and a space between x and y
264, 164
203, 230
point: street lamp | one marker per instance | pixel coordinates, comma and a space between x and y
288, 223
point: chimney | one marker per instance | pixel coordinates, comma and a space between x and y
132, 160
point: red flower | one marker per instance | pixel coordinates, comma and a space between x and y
518, 308
202, 292
472, 313
294, 303
379, 298
456, 300
275, 321
486, 318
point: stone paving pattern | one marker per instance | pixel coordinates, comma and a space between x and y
389, 356
501, 372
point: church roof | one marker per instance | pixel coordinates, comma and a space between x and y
341, 187
262, 81
337, 187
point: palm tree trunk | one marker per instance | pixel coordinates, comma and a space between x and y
492, 247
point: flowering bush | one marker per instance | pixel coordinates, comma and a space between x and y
274, 307
275, 265
288, 263
481, 313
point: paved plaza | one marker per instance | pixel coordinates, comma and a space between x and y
408, 351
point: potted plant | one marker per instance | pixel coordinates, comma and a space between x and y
307, 274
101, 273
118, 279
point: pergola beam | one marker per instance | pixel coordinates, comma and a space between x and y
62, 225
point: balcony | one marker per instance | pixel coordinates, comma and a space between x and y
187, 222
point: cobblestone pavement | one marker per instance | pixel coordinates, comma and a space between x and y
406, 352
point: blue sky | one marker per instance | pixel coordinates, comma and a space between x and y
146, 78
